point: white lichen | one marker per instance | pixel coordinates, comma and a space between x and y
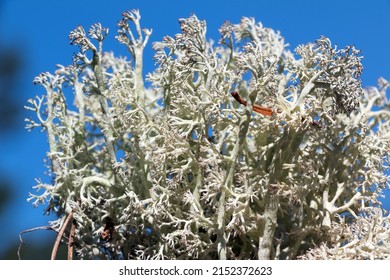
183, 171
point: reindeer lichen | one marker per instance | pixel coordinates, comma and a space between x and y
170, 166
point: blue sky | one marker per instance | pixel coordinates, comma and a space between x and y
39, 31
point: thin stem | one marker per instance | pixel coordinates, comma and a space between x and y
71, 240
107, 127
59, 236
29, 230
257, 108
221, 224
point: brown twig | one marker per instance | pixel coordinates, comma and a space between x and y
29, 230
59, 236
256, 108
263, 110
71, 241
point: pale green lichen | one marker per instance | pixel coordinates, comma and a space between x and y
184, 172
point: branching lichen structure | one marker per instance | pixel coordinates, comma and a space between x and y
168, 165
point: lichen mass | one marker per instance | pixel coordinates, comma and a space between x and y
168, 165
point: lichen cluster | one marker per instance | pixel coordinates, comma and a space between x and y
182, 171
